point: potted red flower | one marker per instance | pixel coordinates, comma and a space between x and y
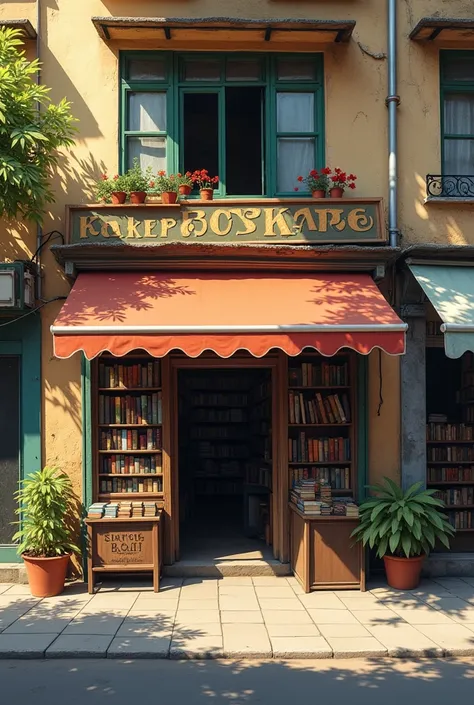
185, 183
111, 189
340, 180
167, 186
317, 182
205, 183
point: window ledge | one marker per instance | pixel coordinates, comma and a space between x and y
446, 201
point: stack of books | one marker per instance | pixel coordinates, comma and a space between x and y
96, 510
137, 509
437, 418
352, 510
125, 510
111, 510
149, 509
345, 506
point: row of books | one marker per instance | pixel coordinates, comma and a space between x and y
220, 415
137, 484
131, 439
130, 464
210, 433
451, 474
219, 399
122, 510
319, 375
259, 475
338, 478
318, 450
464, 495
450, 453
206, 449
329, 409
461, 519
449, 432
468, 413
122, 376
141, 409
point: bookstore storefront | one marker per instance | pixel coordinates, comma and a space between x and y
219, 377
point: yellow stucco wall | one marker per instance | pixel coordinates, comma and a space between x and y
79, 65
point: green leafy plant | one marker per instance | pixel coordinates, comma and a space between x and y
135, 179
402, 523
45, 504
185, 179
163, 183
32, 131
106, 186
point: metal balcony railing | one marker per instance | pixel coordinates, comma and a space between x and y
449, 186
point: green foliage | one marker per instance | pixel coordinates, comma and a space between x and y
32, 130
402, 523
106, 186
46, 505
135, 179
163, 183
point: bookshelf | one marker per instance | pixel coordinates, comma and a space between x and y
321, 421
128, 436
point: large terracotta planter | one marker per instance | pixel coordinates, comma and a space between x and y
319, 193
118, 197
169, 197
403, 573
46, 576
185, 190
207, 194
137, 197
336, 192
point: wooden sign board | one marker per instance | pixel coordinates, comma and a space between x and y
302, 221
122, 544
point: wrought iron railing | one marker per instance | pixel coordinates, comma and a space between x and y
449, 186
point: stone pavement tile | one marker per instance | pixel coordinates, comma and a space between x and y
24, 645
332, 616
463, 616
400, 602
9, 615
185, 630
4, 587
88, 624
201, 647
377, 617
103, 612
464, 594
156, 606
79, 646
360, 603
285, 617
295, 586
242, 617
38, 625
197, 617
237, 581
193, 605
348, 647
158, 597
230, 603
431, 595
111, 601
300, 647
321, 600
269, 580
19, 590
405, 640
18, 601
165, 617
243, 591
248, 640
292, 630
455, 639
200, 586
450, 605
281, 604
469, 581
343, 631
140, 647
450, 582
131, 627
423, 616
274, 593
352, 594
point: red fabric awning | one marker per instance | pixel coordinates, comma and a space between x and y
225, 312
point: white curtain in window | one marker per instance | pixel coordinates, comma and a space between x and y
150, 151
295, 158
459, 120
147, 112
295, 112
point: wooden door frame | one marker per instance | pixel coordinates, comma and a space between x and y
277, 364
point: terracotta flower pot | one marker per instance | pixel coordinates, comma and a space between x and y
137, 197
403, 573
319, 193
118, 197
185, 190
46, 576
153, 198
207, 194
169, 197
336, 192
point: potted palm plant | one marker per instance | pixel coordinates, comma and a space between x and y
404, 527
45, 505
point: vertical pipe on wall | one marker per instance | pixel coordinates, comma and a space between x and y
392, 102
39, 230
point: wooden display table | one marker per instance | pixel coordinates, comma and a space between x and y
130, 545
323, 554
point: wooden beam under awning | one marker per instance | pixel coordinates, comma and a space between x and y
25, 26
444, 29
236, 33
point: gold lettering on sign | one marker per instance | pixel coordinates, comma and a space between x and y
332, 217
166, 224
246, 217
214, 222
149, 225
359, 220
279, 219
86, 226
132, 228
115, 228
188, 227
303, 216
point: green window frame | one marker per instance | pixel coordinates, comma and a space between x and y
174, 84
449, 86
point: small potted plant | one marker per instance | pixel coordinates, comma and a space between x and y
167, 186
136, 182
339, 182
185, 183
404, 527
45, 505
205, 183
111, 189
317, 182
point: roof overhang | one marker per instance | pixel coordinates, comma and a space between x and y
202, 33
444, 30
25, 26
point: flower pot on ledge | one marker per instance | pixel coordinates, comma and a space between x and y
207, 194
336, 192
169, 197
185, 190
137, 197
319, 193
118, 197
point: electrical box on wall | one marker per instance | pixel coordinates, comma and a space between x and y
17, 287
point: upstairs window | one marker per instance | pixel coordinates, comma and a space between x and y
457, 99
255, 120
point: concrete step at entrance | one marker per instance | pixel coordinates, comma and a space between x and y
13, 573
226, 569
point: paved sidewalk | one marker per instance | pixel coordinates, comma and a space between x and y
238, 618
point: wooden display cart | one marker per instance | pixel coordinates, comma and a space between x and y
125, 545
323, 555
